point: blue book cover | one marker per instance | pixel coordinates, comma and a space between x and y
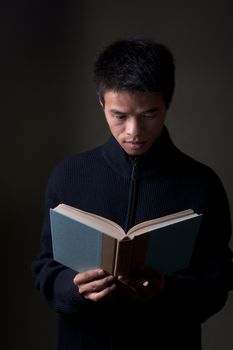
170, 248
79, 246
83, 241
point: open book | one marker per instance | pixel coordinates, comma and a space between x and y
82, 241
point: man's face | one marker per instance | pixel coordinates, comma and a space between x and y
135, 119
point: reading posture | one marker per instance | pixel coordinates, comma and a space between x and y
137, 175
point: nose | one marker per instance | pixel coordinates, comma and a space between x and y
134, 126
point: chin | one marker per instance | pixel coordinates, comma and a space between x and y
135, 153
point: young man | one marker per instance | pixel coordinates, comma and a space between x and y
139, 174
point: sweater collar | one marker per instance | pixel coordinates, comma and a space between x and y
160, 155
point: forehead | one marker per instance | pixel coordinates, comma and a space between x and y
130, 100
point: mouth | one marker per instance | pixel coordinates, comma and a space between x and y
135, 145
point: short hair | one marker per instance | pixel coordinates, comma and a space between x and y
135, 65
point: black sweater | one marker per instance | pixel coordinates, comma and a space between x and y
100, 181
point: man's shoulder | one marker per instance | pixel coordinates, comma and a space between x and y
81, 160
185, 163
198, 169
83, 156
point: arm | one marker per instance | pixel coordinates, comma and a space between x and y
53, 280
202, 290
62, 288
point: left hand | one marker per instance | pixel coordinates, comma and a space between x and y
143, 285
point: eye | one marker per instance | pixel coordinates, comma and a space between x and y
119, 116
149, 115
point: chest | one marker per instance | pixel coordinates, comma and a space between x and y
110, 195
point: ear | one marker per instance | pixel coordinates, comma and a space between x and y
101, 103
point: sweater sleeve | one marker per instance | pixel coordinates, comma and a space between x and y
53, 280
202, 290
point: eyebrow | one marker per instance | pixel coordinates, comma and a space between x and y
151, 110
115, 111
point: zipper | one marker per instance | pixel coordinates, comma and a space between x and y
132, 195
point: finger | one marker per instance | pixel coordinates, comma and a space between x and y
87, 276
145, 283
97, 285
100, 295
138, 290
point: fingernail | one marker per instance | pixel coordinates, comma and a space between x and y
121, 278
110, 278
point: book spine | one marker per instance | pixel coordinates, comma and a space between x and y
138, 254
123, 257
108, 257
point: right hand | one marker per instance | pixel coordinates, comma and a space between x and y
95, 284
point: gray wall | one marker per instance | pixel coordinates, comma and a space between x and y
49, 110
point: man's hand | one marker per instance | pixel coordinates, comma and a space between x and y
143, 285
95, 284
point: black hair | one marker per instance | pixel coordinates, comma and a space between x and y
135, 65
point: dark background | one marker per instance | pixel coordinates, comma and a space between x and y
49, 110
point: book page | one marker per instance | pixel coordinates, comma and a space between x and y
97, 222
160, 222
